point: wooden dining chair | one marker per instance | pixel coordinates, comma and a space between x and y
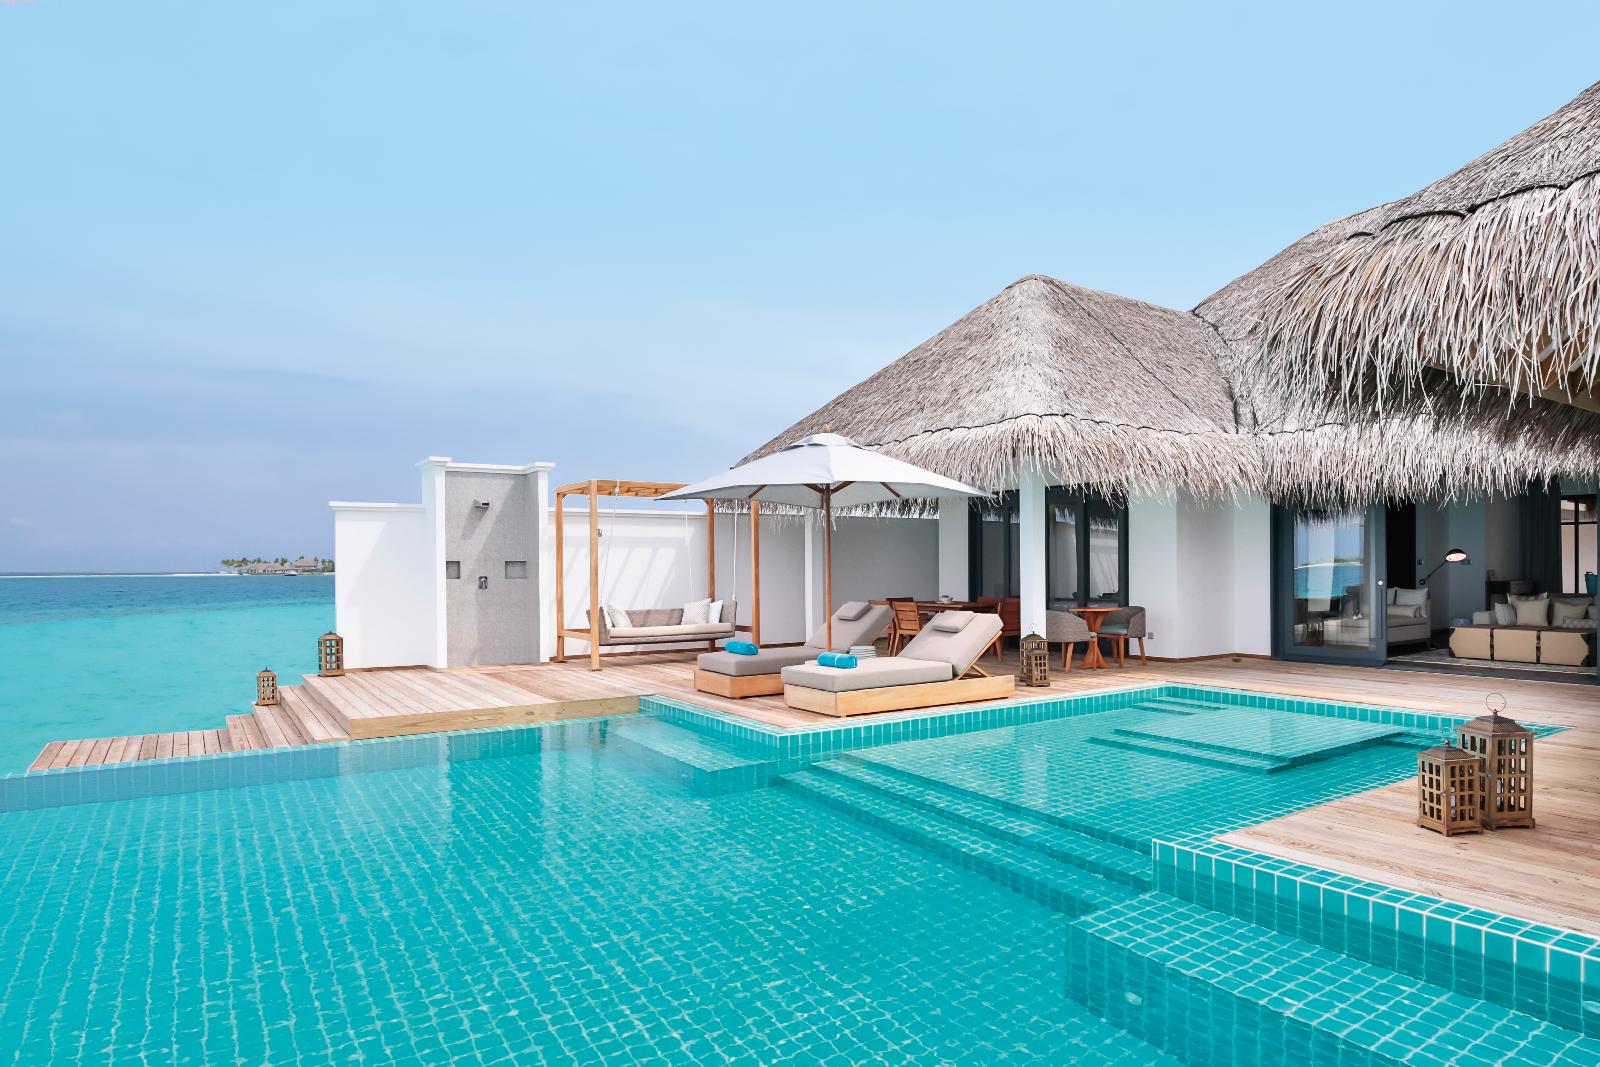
907, 622
1010, 612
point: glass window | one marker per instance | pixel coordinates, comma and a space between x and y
1086, 548
1578, 525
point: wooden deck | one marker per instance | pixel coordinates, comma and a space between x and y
1550, 874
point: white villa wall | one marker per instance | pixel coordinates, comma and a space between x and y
383, 589
1202, 571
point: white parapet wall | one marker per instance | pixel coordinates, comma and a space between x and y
384, 592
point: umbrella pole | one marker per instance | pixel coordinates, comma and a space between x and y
827, 551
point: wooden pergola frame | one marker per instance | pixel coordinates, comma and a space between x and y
594, 489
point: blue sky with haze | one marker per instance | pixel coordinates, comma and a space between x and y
257, 257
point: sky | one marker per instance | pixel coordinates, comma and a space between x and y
254, 258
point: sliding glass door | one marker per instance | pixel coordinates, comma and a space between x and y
1329, 584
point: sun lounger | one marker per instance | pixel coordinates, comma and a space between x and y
728, 675
938, 666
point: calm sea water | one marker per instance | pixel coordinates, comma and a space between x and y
106, 656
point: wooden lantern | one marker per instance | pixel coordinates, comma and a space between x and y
1506, 748
266, 687
1033, 652
330, 655
1448, 791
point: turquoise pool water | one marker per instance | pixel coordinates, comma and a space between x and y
650, 889
109, 656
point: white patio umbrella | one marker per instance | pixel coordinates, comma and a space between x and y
820, 471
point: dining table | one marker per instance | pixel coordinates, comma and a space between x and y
933, 607
1093, 617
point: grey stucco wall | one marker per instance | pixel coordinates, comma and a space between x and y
498, 623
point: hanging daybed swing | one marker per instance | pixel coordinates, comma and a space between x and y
646, 626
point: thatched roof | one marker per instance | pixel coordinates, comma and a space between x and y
1131, 398
1096, 389
1491, 274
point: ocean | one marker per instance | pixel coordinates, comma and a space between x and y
104, 656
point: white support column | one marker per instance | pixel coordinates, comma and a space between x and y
1031, 550
812, 572
544, 554
433, 503
954, 559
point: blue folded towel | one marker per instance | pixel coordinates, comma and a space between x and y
740, 648
836, 659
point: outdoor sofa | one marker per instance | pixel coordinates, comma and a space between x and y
728, 675
938, 666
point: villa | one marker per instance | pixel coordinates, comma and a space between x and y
1279, 547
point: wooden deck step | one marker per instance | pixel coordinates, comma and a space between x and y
312, 719
244, 735
277, 727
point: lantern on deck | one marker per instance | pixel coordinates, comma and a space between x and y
266, 687
1506, 748
1033, 652
330, 655
1448, 790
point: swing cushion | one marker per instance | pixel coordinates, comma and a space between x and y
681, 630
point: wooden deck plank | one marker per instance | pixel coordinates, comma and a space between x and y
166, 745
397, 698
428, 690
46, 757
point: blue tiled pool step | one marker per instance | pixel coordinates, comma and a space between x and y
695, 759
1084, 827
1178, 750
1029, 830
1062, 886
1213, 990
1177, 705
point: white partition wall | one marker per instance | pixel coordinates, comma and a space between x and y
383, 585
1202, 571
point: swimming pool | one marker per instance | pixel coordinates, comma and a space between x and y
1033, 883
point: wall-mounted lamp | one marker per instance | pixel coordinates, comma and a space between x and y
483, 581
484, 504
1455, 555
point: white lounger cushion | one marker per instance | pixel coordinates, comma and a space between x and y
868, 674
767, 661
960, 650
681, 630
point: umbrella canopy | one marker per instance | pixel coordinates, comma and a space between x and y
824, 464
820, 471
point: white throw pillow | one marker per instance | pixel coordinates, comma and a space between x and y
1532, 612
616, 618
714, 613
1505, 615
696, 612
952, 622
1410, 597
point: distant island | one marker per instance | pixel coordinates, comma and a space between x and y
281, 565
